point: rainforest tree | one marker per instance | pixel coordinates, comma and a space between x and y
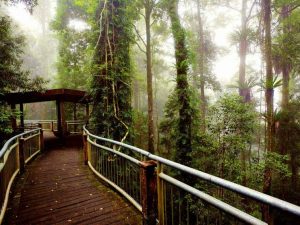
183, 142
111, 86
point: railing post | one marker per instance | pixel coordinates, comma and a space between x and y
160, 196
85, 148
148, 192
41, 138
21, 155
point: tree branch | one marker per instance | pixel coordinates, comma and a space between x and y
100, 22
142, 50
230, 7
250, 12
138, 33
142, 15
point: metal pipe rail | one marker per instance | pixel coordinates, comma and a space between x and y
72, 126
14, 155
162, 178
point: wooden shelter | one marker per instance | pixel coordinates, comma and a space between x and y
59, 95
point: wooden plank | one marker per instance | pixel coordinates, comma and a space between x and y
58, 189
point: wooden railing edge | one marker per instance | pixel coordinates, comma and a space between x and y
20, 160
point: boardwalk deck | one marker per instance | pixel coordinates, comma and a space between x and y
58, 189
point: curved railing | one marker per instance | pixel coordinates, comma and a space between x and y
15, 153
137, 174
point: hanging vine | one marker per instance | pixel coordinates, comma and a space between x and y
111, 86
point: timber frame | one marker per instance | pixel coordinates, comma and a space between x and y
59, 95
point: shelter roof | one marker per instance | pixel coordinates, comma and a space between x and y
66, 95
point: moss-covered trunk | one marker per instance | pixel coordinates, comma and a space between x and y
184, 146
112, 80
266, 7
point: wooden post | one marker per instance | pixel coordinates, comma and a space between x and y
63, 118
41, 138
87, 113
21, 155
89, 150
22, 117
58, 116
61, 123
148, 192
160, 196
13, 119
85, 148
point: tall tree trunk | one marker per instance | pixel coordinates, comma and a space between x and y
266, 7
201, 63
284, 133
112, 83
148, 11
244, 90
285, 65
136, 94
184, 144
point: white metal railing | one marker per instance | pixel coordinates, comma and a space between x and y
15, 153
72, 126
120, 164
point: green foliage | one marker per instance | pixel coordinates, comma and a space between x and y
232, 124
287, 138
111, 85
139, 132
73, 65
250, 34
13, 78
169, 125
277, 163
286, 48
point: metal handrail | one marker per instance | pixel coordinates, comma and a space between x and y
18, 163
55, 121
256, 195
49, 125
5, 146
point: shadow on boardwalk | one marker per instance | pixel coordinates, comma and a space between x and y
58, 189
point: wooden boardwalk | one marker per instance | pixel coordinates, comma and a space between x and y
58, 189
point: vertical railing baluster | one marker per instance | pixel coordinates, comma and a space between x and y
85, 148
21, 155
172, 205
106, 164
89, 151
165, 201
188, 212
179, 208
41, 138
102, 161
160, 199
124, 174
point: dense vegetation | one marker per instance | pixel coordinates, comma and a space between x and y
121, 57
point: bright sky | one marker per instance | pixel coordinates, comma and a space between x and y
23, 18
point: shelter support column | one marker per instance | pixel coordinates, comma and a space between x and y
87, 113
22, 125
61, 122
13, 118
